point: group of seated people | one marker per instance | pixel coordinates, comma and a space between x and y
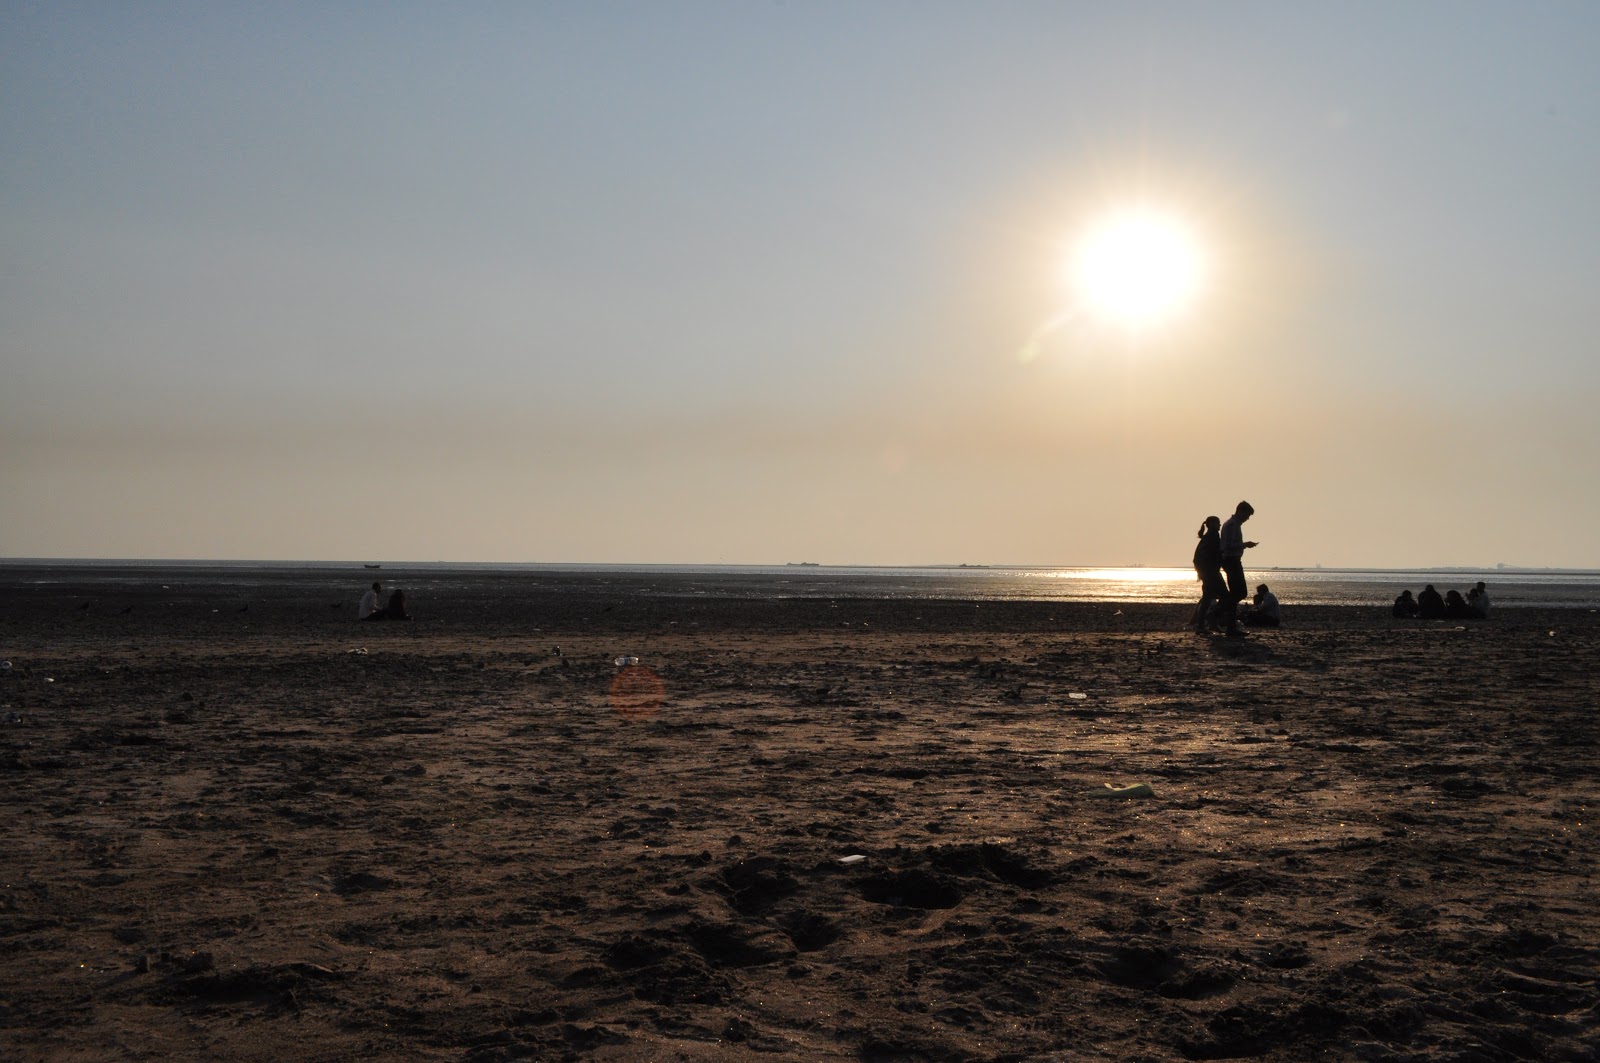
1263, 610
393, 609
1429, 605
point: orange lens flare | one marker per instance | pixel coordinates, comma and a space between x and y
637, 693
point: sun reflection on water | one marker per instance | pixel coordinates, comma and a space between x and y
1138, 574
1136, 584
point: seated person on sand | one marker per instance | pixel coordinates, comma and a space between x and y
1456, 607
1264, 610
1405, 606
369, 602
1478, 601
1429, 605
395, 609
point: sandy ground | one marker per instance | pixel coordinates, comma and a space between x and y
239, 825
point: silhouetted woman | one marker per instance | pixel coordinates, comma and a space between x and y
1208, 567
1456, 607
1429, 605
1405, 606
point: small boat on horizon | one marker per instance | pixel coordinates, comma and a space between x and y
371, 566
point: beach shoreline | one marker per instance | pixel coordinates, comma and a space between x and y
246, 826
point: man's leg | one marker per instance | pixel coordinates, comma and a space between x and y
1228, 613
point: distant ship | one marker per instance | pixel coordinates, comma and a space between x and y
371, 566
801, 564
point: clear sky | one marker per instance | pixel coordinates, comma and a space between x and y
764, 282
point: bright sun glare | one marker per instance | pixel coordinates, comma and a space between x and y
1137, 267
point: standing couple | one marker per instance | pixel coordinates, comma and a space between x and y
1221, 554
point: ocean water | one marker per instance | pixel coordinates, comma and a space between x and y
1293, 586
1508, 588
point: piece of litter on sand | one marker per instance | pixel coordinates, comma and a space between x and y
1138, 789
360, 651
625, 662
853, 858
1077, 696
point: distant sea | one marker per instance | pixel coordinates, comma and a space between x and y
1509, 588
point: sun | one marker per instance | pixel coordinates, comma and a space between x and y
1138, 267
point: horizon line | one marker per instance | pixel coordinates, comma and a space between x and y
331, 562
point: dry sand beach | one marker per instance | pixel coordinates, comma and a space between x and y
239, 825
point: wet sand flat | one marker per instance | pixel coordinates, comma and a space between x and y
240, 825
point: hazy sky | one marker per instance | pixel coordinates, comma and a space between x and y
751, 282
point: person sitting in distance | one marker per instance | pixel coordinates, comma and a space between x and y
1264, 611
1478, 601
394, 609
1430, 605
1405, 606
1456, 607
369, 601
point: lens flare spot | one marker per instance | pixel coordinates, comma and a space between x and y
637, 692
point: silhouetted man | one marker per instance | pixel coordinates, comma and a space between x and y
1233, 548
